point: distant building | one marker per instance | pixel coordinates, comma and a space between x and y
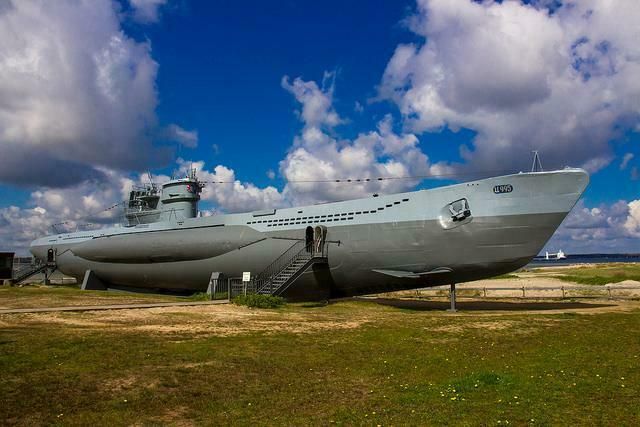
6, 265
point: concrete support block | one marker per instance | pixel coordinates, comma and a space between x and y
92, 282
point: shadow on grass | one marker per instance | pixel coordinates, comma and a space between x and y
421, 305
314, 304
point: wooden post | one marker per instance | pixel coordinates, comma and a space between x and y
562, 292
523, 292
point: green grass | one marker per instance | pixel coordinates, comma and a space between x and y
601, 274
386, 366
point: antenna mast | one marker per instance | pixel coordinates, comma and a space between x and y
537, 164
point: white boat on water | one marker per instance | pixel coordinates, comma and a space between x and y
555, 257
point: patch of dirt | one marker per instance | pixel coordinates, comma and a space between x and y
176, 416
624, 283
121, 384
491, 326
210, 320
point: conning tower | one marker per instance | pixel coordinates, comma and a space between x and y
180, 198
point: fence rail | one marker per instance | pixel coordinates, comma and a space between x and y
611, 292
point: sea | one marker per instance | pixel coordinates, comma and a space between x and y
540, 261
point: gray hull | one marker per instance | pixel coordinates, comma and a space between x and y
401, 241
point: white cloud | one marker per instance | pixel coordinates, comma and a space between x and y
75, 93
19, 226
522, 77
188, 138
316, 155
625, 160
147, 11
317, 102
67, 209
232, 195
632, 224
606, 228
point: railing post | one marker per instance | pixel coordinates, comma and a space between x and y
452, 297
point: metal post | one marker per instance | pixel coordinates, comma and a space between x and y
452, 297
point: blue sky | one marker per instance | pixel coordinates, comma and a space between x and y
239, 89
221, 64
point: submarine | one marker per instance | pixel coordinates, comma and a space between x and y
446, 235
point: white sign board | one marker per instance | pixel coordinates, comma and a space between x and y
246, 276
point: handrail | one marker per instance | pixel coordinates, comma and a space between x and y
299, 250
25, 273
280, 263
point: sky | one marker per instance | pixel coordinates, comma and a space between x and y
263, 95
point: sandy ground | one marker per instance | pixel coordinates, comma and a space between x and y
230, 320
219, 320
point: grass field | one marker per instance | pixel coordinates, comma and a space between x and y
600, 274
350, 362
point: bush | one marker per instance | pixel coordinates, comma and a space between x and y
200, 296
259, 301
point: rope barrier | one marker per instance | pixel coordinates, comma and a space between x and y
386, 178
93, 214
320, 181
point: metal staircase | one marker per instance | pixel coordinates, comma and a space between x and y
284, 271
27, 272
